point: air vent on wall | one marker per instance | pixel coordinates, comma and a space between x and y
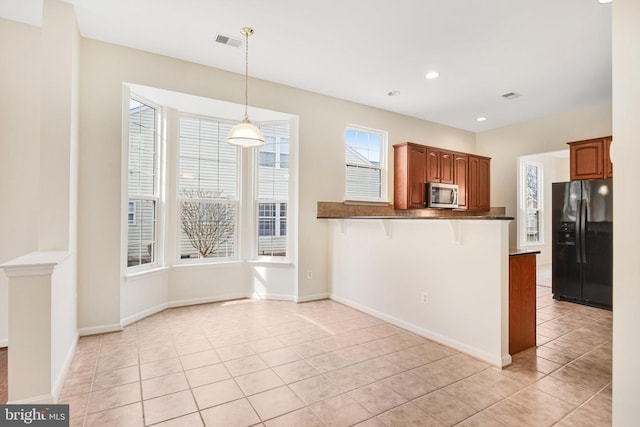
510, 95
229, 41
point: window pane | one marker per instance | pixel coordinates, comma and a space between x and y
364, 168
208, 169
208, 229
533, 226
273, 190
363, 183
142, 181
141, 232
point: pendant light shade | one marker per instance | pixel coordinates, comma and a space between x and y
244, 134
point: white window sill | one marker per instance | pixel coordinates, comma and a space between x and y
203, 264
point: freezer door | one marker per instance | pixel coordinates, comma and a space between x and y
597, 274
566, 265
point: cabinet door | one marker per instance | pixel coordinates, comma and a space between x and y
608, 166
433, 165
522, 303
417, 174
586, 159
479, 181
484, 184
446, 167
461, 171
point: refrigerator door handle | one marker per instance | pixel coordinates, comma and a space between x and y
578, 234
583, 231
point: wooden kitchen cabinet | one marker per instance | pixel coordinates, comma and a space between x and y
460, 175
590, 159
522, 302
440, 166
410, 163
479, 197
608, 166
417, 164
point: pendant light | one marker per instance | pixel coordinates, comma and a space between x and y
244, 134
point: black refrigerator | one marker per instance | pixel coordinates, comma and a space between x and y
582, 252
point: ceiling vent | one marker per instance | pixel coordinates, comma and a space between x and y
510, 95
229, 41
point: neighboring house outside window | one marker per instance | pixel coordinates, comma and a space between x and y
142, 184
273, 190
532, 206
208, 194
365, 158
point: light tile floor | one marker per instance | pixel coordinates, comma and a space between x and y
274, 363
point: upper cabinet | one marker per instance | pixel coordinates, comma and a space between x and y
440, 166
479, 183
416, 164
590, 159
410, 163
460, 177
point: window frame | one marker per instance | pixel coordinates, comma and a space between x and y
524, 210
277, 202
237, 202
382, 167
156, 255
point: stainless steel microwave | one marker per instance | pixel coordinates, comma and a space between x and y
442, 195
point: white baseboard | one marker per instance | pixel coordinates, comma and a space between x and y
205, 300
277, 297
94, 330
45, 399
4, 343
498, 361
142, 314
315, 297
62, 375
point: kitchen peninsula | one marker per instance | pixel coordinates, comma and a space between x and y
443, 274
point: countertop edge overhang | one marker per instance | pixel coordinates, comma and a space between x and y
342, 210
403, 217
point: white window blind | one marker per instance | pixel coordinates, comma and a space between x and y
142, 184
273, 190
207, 189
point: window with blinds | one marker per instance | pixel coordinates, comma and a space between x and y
273, 190
365, 151
142, 184
531, 202
208, 192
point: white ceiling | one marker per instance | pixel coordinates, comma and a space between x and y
556, 53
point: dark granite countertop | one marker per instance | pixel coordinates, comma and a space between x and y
340, 210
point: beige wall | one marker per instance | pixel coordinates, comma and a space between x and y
19, 148
507, 144
626, 267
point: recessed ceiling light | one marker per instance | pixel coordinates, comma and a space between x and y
432, 75
604, 1
481, 119
393, 93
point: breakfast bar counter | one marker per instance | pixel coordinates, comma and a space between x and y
446, 280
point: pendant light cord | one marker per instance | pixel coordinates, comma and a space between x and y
246, 76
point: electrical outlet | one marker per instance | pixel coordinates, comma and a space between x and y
424, 298
309, 274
